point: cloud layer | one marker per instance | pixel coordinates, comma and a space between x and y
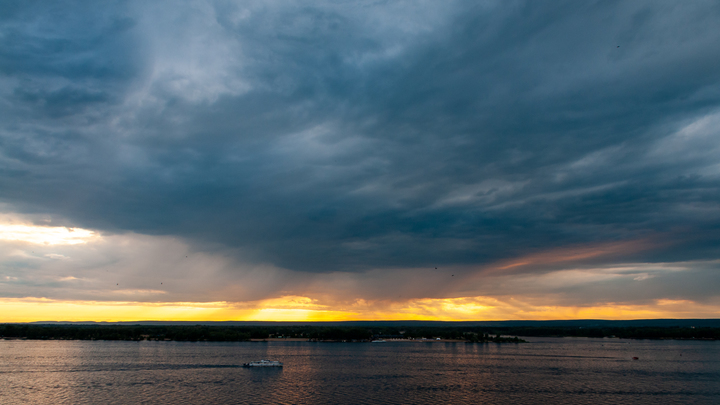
297, 143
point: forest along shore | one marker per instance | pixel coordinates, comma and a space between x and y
243, 333
223, 333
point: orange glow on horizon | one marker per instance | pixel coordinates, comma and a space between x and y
304, 309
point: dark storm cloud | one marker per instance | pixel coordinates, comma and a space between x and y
335, 136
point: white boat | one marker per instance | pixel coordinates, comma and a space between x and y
263, 363
378, 341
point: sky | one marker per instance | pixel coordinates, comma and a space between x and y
359, 160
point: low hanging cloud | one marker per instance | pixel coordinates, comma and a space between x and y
313, 147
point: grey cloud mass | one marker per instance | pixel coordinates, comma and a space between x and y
350, 136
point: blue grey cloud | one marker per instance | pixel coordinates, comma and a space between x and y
350, 136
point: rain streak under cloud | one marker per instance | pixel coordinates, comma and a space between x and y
360, 160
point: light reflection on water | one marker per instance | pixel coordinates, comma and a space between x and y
571, 371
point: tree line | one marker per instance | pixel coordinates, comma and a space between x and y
223, 333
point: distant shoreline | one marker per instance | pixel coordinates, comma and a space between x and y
504, 340
299, 333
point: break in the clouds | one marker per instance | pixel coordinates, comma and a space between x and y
561, 149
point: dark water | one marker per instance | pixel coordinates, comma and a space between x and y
557, 371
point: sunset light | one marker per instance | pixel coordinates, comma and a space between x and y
45, 235
284, 310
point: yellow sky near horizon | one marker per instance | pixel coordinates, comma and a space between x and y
305, 309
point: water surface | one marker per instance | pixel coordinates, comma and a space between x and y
559, 371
